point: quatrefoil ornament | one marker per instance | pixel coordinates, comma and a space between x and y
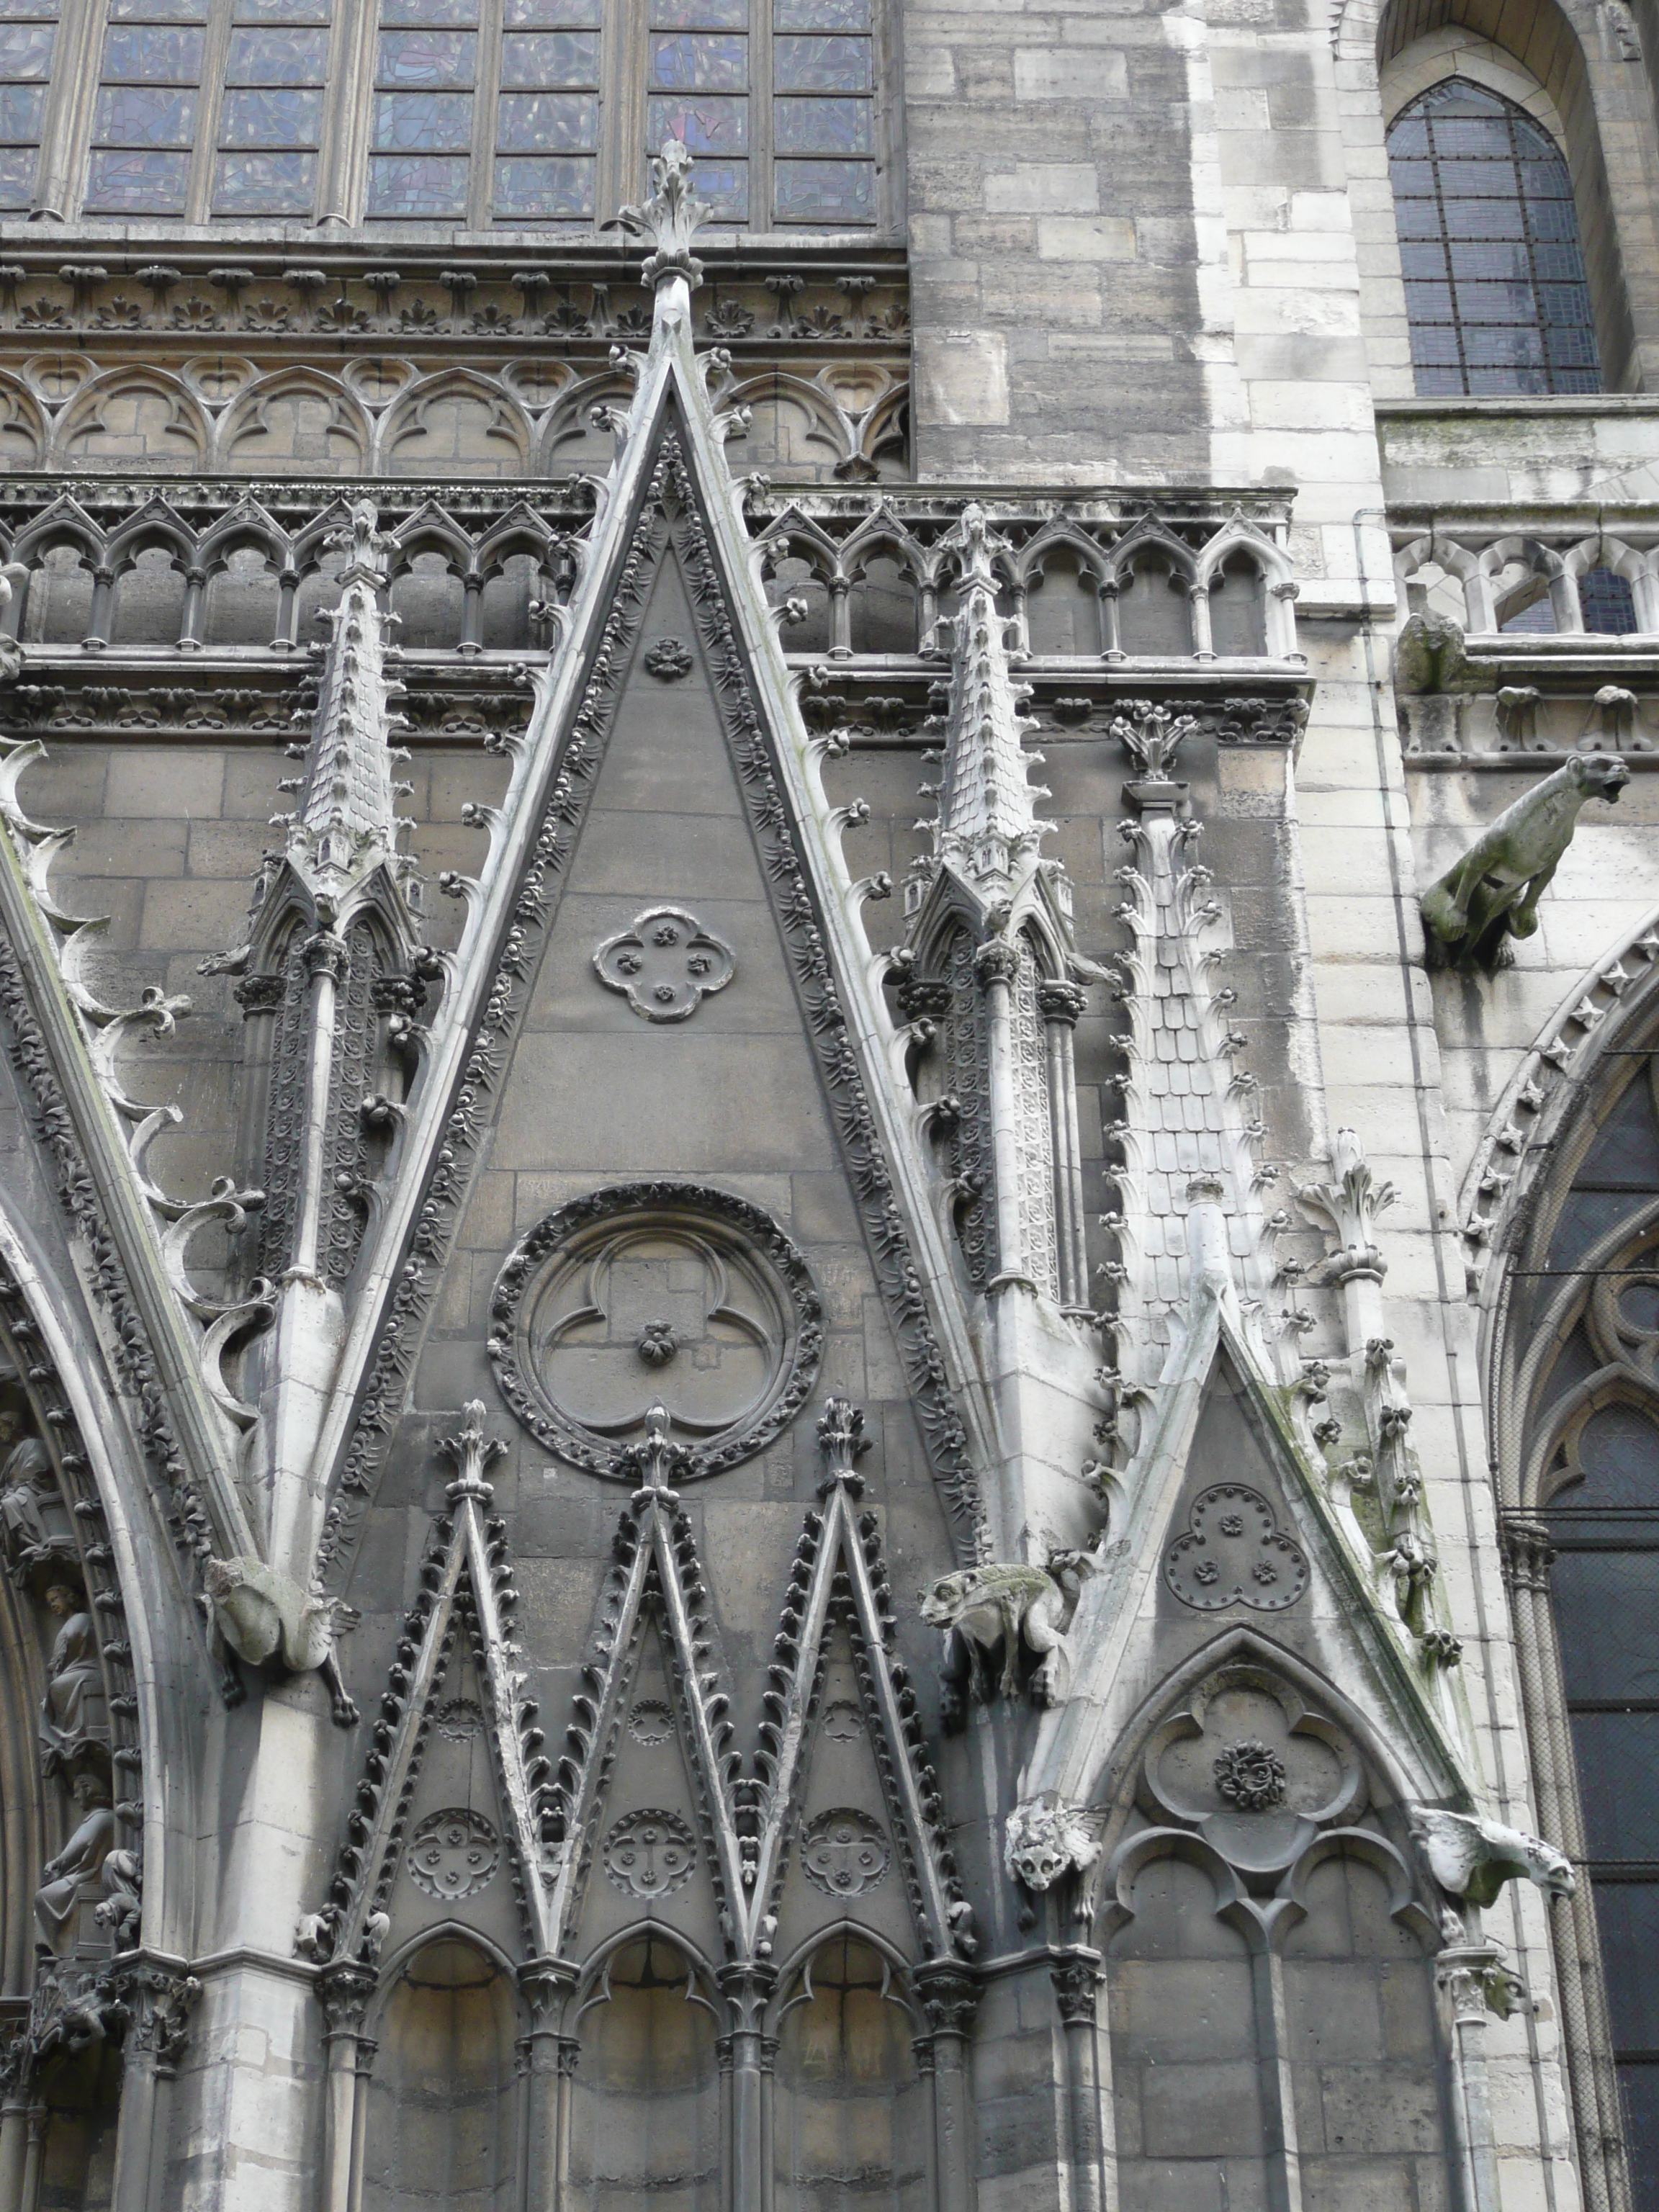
665, 963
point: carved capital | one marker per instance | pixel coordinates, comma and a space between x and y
997, 961
325, 954
160, 2001
924, 997
258, 994
949, 1997
1477, 1980
747, 1988
1061, 1002
1076, 1978
344, 1992
1529, 1554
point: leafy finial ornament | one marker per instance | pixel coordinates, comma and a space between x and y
668, 219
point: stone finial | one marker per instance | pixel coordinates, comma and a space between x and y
1349, 1205
1492, 893
668, 219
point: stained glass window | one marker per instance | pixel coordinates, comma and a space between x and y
1495, 289
145, 118
28, 31
528, 112
271, 119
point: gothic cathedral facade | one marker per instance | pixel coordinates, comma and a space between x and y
829, 1105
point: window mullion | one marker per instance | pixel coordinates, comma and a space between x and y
66, 126
209, 99
485, 103
347, 107
760, 114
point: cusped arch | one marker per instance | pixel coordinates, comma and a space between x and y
456, 420
298, 418
145, 418
24, 430
249, 524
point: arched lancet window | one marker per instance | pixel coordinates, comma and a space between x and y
1583, 1319
645, 2124
848, 2134
1495, 289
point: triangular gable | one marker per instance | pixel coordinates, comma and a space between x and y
461, 1613
1217, 1424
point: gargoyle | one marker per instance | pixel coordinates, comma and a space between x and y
262, 1614
1492, 893
980, 1608
1471, 1859
1042, 1841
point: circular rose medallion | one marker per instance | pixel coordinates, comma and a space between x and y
650, 1853
453, 1853
844, 1852
656, 1294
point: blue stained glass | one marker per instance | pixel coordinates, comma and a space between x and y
168, 57
826, 191
724, 185
548, 122
19, 112
435, 12
822, 64
550, 58
821, 14
416, 185
422, 122
421, 58
146, 11
278, 56
137, 184
823, 126
552, 15
549, 190
143, 115
691, 64
26, 49
707, 125
17, 176
271, 119
700, 15
281, 11
264, 183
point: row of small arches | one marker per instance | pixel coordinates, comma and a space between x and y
244, 583
1599, 586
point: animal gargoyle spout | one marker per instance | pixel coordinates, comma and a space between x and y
1492, 893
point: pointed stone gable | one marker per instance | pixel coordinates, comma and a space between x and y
667, 794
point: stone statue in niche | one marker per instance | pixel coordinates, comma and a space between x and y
34, 1524
73, 1713
1491, 894
1011, 1608
75, 1877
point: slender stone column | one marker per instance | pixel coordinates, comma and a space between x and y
746, 1989
160, 1999
1060, 1004
547, 1984
34, 2158
996, 965
1076, 1996
344, 1992
1463, 1971
950, 1999
366, 2048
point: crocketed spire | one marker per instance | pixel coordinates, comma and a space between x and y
345, 825
987, 831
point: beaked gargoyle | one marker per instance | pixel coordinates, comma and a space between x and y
1491, 894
